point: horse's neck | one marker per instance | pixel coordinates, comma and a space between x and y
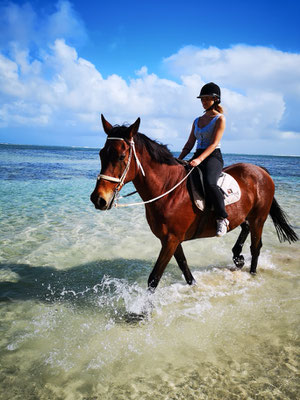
158, 179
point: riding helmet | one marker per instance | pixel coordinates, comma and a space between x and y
210, 89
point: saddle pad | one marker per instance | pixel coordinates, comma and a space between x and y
229, 187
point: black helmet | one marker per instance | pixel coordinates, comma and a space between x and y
210, 89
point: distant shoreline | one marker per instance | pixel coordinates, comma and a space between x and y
57, 147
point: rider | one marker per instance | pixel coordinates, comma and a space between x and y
208, 131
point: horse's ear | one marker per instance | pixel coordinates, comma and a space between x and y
133, 129
106, 125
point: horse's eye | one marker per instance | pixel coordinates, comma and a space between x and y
122, 157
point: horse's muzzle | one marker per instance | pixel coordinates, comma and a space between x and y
100, 203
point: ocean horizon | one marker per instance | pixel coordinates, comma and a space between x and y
49, 146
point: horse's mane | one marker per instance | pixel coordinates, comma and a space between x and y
158, 152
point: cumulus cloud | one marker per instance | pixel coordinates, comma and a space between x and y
62, 89
46, 85
241, 66
261, 86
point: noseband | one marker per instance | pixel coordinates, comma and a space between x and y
121, 180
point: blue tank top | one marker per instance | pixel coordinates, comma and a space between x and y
204, 135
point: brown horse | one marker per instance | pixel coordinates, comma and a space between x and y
131, 156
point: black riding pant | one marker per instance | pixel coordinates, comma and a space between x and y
211, 169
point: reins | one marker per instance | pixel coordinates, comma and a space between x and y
121, 180
155, 198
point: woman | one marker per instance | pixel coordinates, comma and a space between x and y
208, 131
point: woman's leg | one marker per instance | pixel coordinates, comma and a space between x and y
212, 168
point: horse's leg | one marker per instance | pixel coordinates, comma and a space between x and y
167, 251
182, 263
238, 259
256, 244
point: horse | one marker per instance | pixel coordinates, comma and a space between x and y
160, 180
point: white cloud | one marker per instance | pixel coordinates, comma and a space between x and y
241, 66
261, 86
60, 92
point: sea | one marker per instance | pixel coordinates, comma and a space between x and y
73, 283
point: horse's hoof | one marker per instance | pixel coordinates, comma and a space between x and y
253, 273
239, 261
133, 318
151, 289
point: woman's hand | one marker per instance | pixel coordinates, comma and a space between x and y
195, 162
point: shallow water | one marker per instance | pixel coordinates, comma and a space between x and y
73, 290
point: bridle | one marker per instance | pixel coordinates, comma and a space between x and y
123, 177
121, 180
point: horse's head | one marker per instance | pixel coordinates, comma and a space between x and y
117, 163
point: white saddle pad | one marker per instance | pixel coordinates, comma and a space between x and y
229, 187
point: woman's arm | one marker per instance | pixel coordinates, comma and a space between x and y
189, 144
219, 130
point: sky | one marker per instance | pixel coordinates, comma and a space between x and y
64, 63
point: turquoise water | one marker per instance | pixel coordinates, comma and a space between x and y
72, 279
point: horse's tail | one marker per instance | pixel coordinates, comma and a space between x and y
283, 228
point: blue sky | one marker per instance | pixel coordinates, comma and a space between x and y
63, 63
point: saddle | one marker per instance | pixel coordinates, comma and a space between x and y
227, 184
